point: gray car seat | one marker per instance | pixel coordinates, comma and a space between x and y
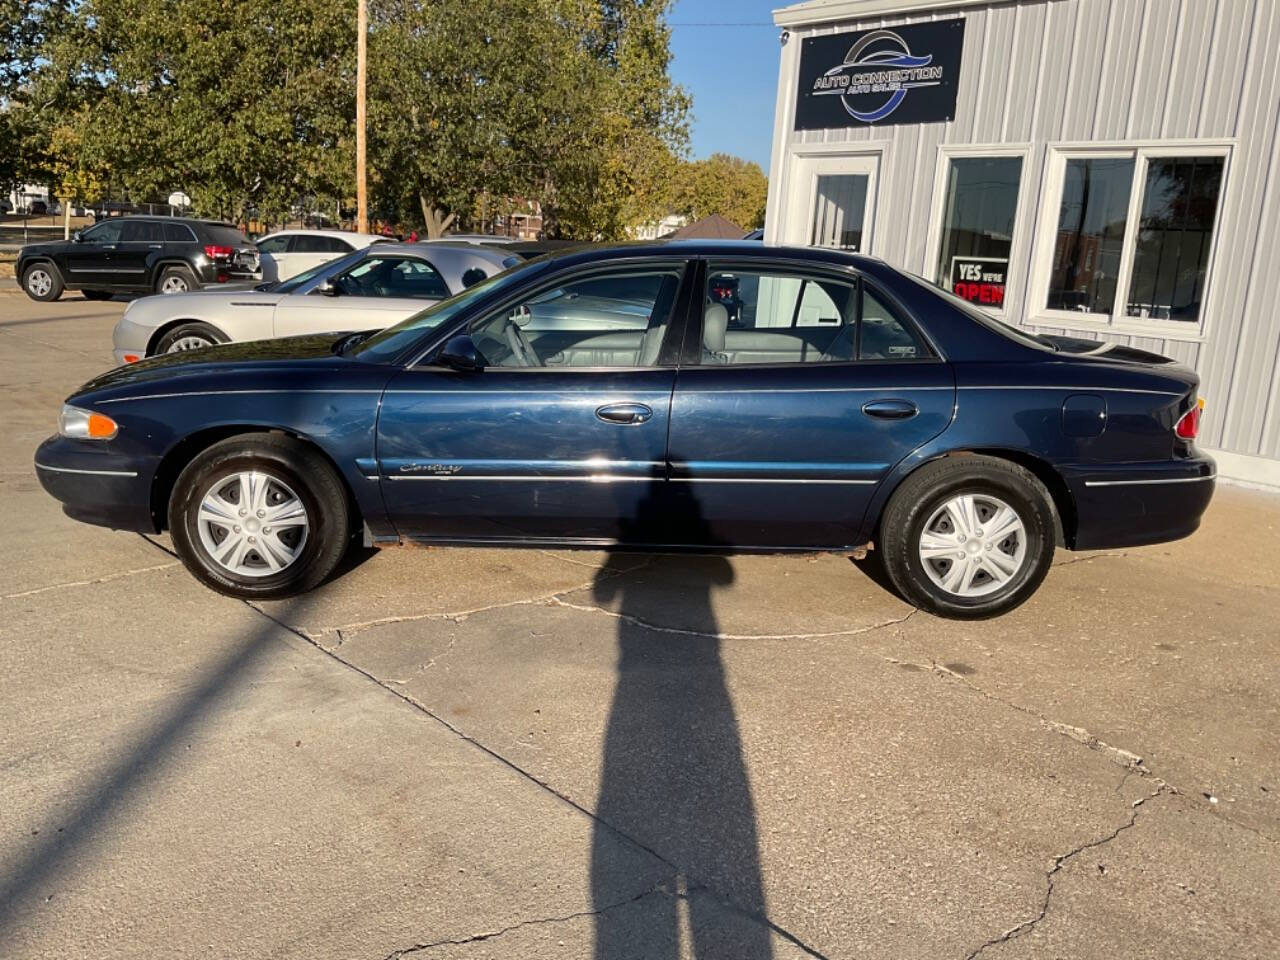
715, 324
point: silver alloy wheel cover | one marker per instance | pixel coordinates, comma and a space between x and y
174, 283
190, 342
973, 545
39, 282
242, 534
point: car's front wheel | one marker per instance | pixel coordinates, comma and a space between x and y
968, 537
260, 517
188, 336
42, 282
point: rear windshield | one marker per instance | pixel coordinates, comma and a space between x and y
1025, 337
227, 236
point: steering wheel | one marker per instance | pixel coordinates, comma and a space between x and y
521, 349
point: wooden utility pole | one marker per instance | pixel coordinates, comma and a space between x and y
362, 76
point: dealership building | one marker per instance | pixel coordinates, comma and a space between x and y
1097, 168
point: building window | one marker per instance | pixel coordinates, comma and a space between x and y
977, 227
840, 212
1090, 240
1171, 257
1133, 234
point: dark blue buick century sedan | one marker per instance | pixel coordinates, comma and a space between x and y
679, 396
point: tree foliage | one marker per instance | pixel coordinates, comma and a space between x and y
249, 106
730, 186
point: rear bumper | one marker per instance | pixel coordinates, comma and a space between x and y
1128, 505
96, 486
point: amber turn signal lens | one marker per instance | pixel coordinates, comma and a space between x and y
101, 428
131, 358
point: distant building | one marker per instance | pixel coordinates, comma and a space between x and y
714, 227
524, 222
1099, 168
659, 228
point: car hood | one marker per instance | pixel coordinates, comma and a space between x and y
169, 366
49, 246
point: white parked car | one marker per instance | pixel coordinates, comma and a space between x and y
287, 253
368, 289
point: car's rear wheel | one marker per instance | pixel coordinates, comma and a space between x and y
42, 282
97, 294
175, 280
968, 537
189, 336
260, 517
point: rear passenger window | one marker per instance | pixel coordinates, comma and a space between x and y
764, 317
141, 231
883, 335
311, 243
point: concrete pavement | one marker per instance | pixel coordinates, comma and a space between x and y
465, 754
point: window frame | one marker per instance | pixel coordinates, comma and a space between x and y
1017, 242
1117, 321
691, 354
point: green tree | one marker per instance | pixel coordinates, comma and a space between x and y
730, 186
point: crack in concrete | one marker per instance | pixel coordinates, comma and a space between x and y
1060, 861
708, 635
1088, 559
536, 921
346, 631
88, 583
1118, 755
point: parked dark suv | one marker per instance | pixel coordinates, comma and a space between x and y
137, 254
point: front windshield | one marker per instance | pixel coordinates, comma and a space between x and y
1025, 337
389, 343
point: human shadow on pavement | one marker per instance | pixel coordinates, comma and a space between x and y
673, 774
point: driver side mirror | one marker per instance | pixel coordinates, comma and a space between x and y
328, 288
460, 353
77, 237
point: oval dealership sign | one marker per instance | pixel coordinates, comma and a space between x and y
903, 75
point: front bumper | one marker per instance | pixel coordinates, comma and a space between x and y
96, 485
1129, 505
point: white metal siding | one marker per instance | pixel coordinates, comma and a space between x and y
1041, 71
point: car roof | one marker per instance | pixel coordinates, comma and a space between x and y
350, 236
721, 249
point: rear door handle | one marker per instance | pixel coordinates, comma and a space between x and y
155, 246
890, 409
624, 413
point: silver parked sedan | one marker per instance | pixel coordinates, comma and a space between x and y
369, 289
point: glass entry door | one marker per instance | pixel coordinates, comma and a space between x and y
832, 202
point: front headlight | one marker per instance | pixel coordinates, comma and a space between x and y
85, 424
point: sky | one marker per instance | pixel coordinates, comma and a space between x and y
731, 72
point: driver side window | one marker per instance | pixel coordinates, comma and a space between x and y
615, 319
108, 232
393, 277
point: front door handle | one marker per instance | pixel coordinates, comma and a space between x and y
624, 413
890, 409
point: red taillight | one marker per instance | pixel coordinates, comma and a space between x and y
216, 252
1188, 425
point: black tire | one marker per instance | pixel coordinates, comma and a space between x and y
301, 471
192, 335
97, 294
42, 281
176, 280
919, 499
